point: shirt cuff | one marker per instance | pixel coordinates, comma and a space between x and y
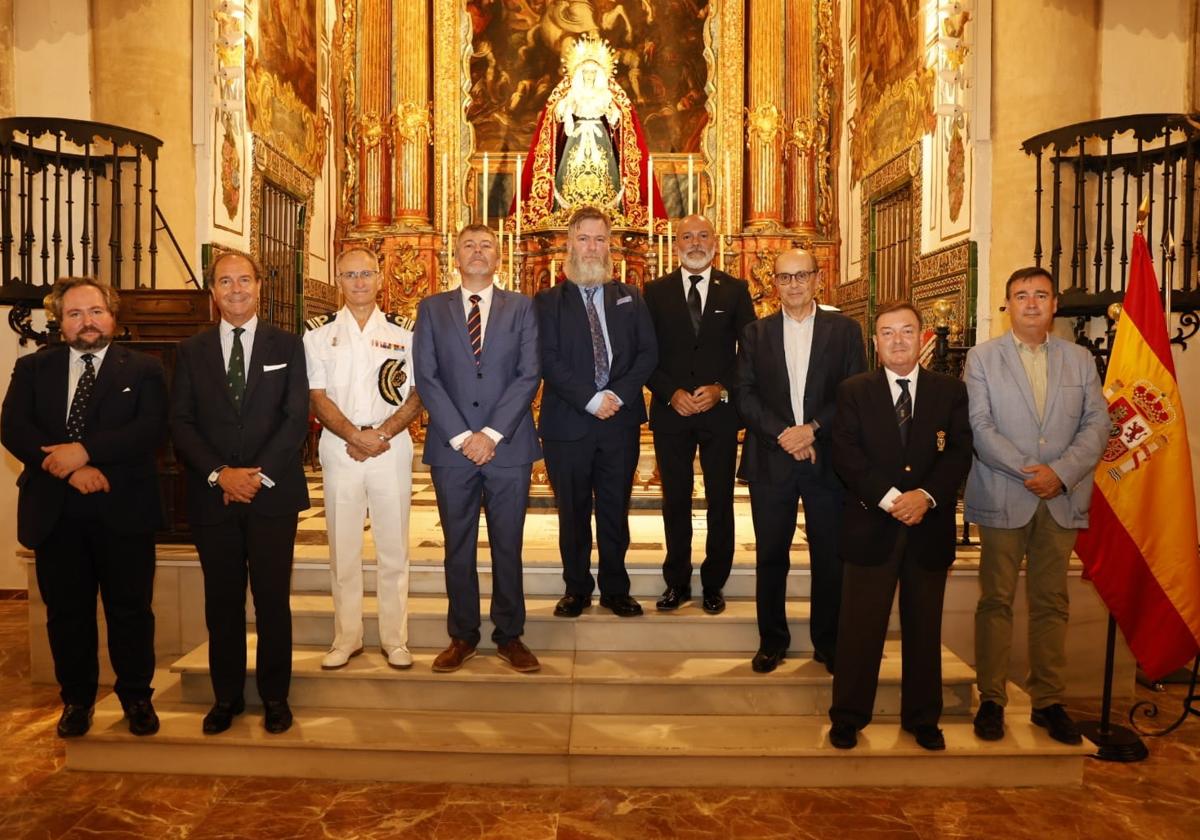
932, 501
594, 403
459, 439
889, 499
493, 434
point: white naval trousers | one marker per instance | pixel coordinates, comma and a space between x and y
382, 485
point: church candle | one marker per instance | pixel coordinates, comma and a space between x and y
650, 196
553, 273
624, 266
485, 189
519, 161
445, 193
691, 193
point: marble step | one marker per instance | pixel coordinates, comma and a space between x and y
689, 628
589, 682
518, 748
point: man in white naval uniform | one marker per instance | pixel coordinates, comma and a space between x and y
360, 377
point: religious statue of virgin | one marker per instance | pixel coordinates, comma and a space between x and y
588, 146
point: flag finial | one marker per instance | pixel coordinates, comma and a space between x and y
1143, 213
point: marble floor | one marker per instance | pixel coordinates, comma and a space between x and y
39, 798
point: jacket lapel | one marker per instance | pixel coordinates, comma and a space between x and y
215, 362
109, 373
260, 352
58, 365
612, 322
885, 410
922, 420
774, 335
1008, 352
816, 355
453, 302
1054, 365
496, 322
713, 300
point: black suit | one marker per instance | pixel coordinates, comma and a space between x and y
588, 457
778, 481
100, 541
239, 540
688, 359
879, 550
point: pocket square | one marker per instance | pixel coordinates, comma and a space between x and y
126, 390
718, 311
269, 368
625, 299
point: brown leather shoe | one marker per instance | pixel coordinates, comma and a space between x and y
453, 657
518, 656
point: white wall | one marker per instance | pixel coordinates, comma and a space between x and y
1144, 56
52, 59
12, 572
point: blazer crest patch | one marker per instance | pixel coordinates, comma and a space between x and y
391, 379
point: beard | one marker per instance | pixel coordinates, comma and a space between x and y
697, 260
589, 272
90, 342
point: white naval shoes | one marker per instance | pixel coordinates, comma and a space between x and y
399, 657
337, 658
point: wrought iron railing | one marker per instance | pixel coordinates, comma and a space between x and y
79, 197
1090, 180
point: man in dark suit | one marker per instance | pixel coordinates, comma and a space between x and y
239, 417
598, 350
477, 370
789, 366
85, 418
698, 313
902, 445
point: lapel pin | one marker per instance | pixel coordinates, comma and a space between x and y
941, 441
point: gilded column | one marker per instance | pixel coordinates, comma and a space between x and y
798, 122
764, 120
410, 120
374, 115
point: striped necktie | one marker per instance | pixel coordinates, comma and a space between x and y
904, 410
475, 328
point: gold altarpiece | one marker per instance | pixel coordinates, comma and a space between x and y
765, 166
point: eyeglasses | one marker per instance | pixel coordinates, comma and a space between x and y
365, 274
784, 278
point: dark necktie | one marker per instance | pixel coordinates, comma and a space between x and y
83, 395
599, 351
237, 368
475, 328
903, 410
693, 298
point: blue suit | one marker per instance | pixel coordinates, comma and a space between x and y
461, 396
587, 457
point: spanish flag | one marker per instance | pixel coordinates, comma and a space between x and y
1140, 547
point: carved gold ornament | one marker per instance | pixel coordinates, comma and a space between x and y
587, 48
763, 123
903, 114
412, 122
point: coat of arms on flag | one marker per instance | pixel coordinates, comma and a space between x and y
1140, 414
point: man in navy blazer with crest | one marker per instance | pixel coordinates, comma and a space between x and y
239, 419
475, 357
598, 350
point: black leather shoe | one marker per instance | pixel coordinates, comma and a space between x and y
989, 721
75, 721
220, 716
843, 736
570, 606
621, 605
277, 716
1055, 720
142, 718
766, 661
714, 602
928, 736
674, 598
825, 659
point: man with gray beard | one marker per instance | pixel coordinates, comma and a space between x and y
598, 350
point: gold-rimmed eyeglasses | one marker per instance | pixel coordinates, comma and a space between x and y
786, 278
365, 274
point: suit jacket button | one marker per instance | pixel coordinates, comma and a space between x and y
907, 468
479, 376
475, 404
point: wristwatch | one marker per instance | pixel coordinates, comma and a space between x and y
212, 476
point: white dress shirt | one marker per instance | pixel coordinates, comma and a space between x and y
485, 308
797, 350
75, 369
889, 498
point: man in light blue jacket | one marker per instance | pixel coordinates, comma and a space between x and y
1040, 424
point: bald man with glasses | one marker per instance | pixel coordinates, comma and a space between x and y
789, 367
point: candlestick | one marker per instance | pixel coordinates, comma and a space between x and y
445, 193
691, 193
519, 160
650, 196
728, 197
512, 247
660, 255
670, 248
485, 189
624, 266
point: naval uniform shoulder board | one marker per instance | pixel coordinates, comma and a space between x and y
399, 320
318, 321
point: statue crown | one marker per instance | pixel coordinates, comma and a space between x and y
590, 47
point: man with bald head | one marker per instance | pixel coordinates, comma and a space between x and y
789, 367
698, 313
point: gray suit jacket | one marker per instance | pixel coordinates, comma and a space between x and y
1069, 439
498, 394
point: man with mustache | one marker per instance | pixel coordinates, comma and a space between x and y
85, 418
698, 313
598, 350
